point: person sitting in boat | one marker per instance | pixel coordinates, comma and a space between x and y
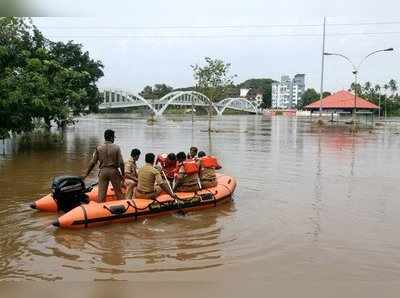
208, 165
131, 175
150, 183
161, 159
187, 178
168, 164
192, 153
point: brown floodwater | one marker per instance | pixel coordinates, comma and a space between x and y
312, 205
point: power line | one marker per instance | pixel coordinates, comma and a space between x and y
363, 24
182, 27
225, 35
220, 26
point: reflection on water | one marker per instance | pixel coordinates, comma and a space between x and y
189, 242
312, 204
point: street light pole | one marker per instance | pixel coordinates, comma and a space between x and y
379, 106
355, 96
355, 72
322, 69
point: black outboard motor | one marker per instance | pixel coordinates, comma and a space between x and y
69, 192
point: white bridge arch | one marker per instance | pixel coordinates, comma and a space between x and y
237, 103
185, 98
116, 99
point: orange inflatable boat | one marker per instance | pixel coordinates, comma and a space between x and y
94, 214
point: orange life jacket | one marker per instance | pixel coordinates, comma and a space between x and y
209, 162
170, 168
190, 167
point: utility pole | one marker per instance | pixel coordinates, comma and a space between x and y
151, 111
192, 110
379, 106
322, 68
355, 72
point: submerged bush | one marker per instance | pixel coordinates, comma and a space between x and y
40, 139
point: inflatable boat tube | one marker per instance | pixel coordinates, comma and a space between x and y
49, 204
95, 214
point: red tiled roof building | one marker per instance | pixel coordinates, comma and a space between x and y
342, 100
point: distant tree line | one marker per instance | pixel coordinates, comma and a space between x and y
156, 92
42, 81
386, 96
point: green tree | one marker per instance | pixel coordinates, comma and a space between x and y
40, 79
326, 94
212, 79
156, 92
393, 86
386, 87
309, 96
356, 87
367, 86
79, 73
147, 92
377, 88
161, 90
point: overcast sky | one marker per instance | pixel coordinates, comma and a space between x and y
147, 42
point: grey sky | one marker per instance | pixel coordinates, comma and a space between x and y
114, 34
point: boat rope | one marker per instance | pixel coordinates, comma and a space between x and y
85, 216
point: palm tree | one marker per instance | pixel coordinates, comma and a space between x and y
377, 89
367, 86
357, 86
393, 86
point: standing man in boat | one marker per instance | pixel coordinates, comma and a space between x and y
150, 182
131, 175
111, 166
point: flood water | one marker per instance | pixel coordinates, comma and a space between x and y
312, 205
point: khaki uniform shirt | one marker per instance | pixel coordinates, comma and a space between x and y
187, 180
131, 169
108, 155
147, 177
207, 174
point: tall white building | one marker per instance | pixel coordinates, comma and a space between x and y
288, 92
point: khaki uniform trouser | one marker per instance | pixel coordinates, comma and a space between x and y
130, 186
106, 176
209, 183
149, 196
187, 188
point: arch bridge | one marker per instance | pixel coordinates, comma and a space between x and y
116, 99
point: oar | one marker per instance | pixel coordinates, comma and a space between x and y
170, 188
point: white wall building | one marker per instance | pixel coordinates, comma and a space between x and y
244, 92
287, 93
